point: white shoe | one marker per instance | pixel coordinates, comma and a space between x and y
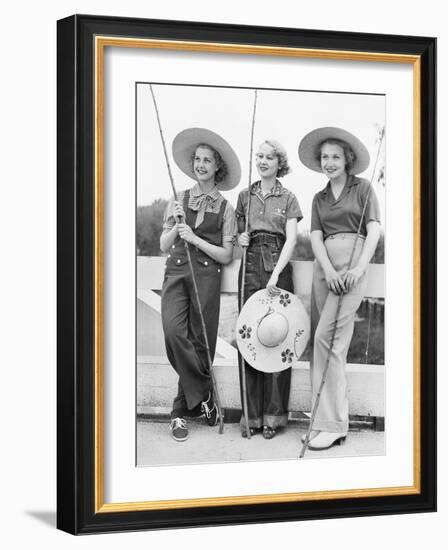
325, 440
179, 429
313, 434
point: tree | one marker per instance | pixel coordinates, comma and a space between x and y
149, 228
302, 249
381, 168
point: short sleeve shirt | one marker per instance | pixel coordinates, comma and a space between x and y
214, 200
269, 213
342, 215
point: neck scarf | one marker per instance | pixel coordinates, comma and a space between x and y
200, 202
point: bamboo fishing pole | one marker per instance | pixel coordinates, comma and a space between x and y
243, 275
338, 310
193, 277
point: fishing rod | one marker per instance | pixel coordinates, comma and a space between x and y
243, 274
338, 310
193, 277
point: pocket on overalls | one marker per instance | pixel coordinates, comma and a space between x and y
270, 258
175, 261
206, 264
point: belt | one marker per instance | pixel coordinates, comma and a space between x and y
260, 237
344, 235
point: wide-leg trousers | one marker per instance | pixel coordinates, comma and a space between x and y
267, 393
332, 413
184, 338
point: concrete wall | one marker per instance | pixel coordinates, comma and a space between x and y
157, 384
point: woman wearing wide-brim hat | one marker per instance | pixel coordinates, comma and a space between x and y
273, 215
337, 212
209, 226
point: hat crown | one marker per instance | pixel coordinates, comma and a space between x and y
272, 329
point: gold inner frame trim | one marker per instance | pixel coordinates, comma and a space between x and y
101, 42
417, 273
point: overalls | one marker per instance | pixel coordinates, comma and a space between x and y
267, 393
184, 339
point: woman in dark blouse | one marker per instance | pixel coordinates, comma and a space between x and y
336, 215
273, 215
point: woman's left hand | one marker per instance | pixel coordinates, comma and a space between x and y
186, 233
272, 287
352, 277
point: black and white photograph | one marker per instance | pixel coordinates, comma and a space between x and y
260, 274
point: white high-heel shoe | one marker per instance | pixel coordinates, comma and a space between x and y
325, 440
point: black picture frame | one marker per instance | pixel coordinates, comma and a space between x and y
77, 510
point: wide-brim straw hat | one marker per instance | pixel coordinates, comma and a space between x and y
185, 144
309, 148
272, 331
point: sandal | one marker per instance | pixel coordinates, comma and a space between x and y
268, 432
253, 431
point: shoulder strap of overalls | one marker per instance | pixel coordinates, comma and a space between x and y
221, 212
186, 200
185, 205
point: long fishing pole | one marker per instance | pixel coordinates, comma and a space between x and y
338, 310
243, 274
193, 277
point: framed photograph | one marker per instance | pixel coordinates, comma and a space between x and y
246, 274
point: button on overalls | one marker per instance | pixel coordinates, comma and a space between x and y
184, 340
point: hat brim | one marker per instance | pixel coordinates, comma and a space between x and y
308, 148
185, 144
288, 352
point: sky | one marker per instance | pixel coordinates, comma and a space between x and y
283, 115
